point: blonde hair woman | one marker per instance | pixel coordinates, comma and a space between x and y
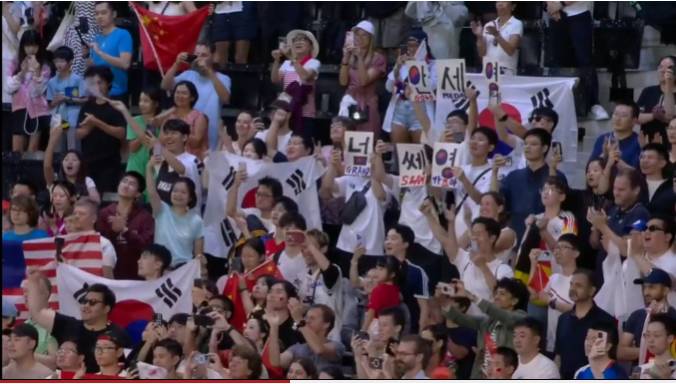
360, 69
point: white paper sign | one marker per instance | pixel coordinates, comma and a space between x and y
358, 148
421, 81
444, 158
411, 165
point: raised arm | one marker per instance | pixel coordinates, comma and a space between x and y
378, 173
151, 188
445, 237
275, 76
55, 134
41, 315
344, 74
231, 203
328, 186
478, 31
170, 76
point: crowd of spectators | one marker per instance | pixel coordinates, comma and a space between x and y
420, 283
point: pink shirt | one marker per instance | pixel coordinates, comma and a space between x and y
191, 119
29, 94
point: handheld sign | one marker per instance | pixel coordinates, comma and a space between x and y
444, 158
420, 78
358, 148
411, 165
491, 72
450, 88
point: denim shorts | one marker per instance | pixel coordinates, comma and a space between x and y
235, 26
404, 115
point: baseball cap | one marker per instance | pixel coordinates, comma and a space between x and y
366, 26
656, 276
110, 336
26, 330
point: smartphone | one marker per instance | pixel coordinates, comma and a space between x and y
557, 147
201, 359
545, 256
83, 24
363, 335
191, 58
493, 94
157, 319
449, 199
157, 149
458, 137
612, 140
603, 336
349, 39
203, 321
281, 43
242, 166
297, 237
375, 363
447, 289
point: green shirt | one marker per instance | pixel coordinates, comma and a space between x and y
137, 160
44, 339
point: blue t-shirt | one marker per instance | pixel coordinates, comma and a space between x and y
612, 372
71, 86
629, 147
207, 101
416, 286
13, 264
178, 233
114, 44
32, 235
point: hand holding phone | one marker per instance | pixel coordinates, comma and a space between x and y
295, 236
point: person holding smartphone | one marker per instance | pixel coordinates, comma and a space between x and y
657, 101
600, 347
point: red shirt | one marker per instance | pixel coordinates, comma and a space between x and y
272, 247
384, 295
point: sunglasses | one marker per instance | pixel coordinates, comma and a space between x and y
654, 228
537, 118
90, 302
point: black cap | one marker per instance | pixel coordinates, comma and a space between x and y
26, 330
656, 276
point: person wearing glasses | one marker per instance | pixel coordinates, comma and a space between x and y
557, 291
108, 351
69, 359
95, 307
411, 357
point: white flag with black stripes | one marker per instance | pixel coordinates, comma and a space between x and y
168, 295
298, 179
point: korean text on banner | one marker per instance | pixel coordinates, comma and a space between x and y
411, 165
357, 153
444, 158
421, 81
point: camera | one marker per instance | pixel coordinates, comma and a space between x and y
375, 363
357, 114
191, 58
201, 359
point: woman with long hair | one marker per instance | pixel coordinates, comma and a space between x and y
72, 169
62, 201
360, 69
27, 85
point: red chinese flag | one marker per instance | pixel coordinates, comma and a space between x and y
273, 372
164, 37
268, 268
543, 270
231, 291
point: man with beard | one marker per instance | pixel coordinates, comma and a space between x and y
632, 345
571, 331
212, 86
411, 357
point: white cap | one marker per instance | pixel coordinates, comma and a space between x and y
366, 26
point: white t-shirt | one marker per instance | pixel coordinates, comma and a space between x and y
292, 268
190, 162
559, 287
540, 368
108, 251
577, 7
482, 185
494, 52
412, 217
667, 263
652, 187
311, 65
474, 279
368, 228
282, 140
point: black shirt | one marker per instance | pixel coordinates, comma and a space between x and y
99, 146
465, 337
636, 320
570, 335
66, 327
649, 98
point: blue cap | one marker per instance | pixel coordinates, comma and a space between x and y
656, 276
8, 308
